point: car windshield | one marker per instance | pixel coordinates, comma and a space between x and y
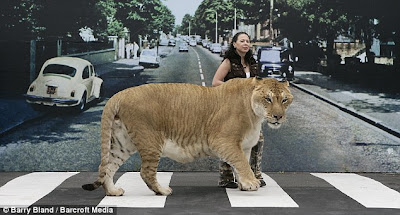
148, 53
59, 69
270, 56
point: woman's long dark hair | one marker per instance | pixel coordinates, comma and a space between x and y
232, 54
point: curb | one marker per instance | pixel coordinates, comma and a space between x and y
350, 111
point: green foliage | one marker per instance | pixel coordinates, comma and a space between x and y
204, 17
184, 27
143, 17
18, 19
43, 19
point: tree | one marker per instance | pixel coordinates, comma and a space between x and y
374, 19
204, 17
18, 19
184, 27
144, 17
108, 9
65, 18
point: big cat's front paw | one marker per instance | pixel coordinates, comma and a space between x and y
164, 191
249, 185
115, 192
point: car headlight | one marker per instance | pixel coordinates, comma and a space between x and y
32, 88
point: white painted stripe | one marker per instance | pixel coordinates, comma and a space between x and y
27, 189
202, 76
137, 194
201, 71
203, 84
366, 191
272, 195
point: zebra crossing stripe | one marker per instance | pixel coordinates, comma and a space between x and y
137, 194
366, 191
25, 190
272, 195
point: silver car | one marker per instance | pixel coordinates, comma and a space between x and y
149, 58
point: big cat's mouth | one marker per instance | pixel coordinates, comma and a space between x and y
274, 124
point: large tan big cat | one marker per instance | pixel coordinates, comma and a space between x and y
186, 121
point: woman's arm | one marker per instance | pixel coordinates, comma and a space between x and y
221, 72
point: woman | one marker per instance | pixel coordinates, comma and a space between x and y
239, 63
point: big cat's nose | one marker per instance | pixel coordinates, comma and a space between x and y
277, 117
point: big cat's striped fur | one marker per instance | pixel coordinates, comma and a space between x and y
186, 121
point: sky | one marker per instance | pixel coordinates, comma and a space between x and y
181, 7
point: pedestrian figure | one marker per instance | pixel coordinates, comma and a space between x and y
135, 50
238, 62
128, 48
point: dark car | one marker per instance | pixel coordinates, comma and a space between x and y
275, 62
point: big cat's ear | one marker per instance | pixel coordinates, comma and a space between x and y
285, 83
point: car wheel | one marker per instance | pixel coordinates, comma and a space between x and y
101, 94
82, 104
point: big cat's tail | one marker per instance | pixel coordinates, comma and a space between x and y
109, 113
91, 187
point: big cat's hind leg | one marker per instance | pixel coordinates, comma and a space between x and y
121, 149
150, 159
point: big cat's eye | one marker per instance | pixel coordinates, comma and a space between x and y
269, 100
284, 100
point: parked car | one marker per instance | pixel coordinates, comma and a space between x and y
215, 48
204, 43
276, 62
65, 82
208, 45
149, 58
183, 47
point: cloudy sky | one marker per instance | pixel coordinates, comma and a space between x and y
181, 7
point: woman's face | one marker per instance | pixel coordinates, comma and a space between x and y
242, 44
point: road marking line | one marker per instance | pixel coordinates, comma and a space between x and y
272, 195
366, 191
28, 189
200, 69
137, 194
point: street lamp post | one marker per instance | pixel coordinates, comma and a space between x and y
234, 23
216, 27
216, 24
271, 29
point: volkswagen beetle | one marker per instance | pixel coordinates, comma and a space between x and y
65, 82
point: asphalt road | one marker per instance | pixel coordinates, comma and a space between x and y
316, 137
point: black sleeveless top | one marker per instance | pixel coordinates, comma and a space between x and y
237, 69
